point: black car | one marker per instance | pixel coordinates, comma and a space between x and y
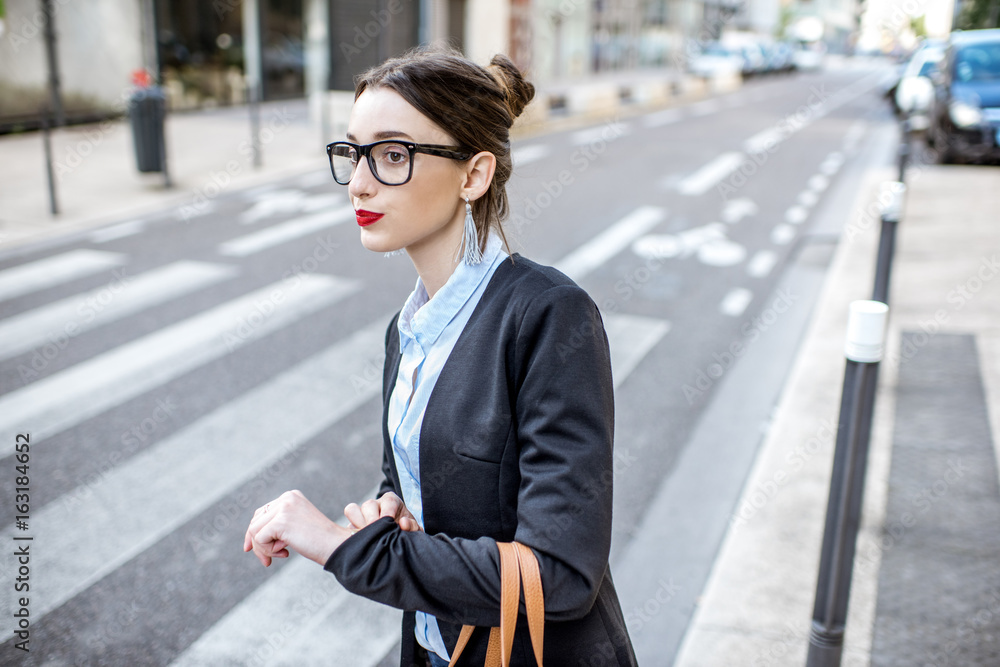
965, 113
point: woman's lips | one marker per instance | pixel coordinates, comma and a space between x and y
366, 218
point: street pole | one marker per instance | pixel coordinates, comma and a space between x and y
863, 350
47, 145
887, 242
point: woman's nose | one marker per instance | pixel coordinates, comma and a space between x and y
363, 182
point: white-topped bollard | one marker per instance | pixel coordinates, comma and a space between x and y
891, 196
866, 331
863, 347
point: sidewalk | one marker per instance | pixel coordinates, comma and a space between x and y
926, 585
209, 153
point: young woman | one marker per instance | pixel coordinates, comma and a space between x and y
498, 416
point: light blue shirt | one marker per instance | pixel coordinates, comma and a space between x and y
428, 330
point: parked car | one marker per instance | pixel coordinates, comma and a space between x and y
715, 60
915, 90
809, 55
965, 113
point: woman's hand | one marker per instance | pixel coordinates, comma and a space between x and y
292, 522
389, 505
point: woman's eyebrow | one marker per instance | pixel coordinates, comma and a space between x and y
383, 134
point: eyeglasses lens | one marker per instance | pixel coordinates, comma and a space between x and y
392, 162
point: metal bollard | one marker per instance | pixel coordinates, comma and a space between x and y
891, 212
904, 148
863, 349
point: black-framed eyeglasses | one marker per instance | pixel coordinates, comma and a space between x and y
390, 160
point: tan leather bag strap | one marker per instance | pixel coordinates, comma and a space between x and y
517, 563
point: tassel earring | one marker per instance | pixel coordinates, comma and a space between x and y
470, 239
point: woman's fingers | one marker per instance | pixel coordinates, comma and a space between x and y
354, 515
370, 510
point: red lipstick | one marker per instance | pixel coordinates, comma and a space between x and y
366, 218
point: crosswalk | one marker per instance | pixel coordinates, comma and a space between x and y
105, 521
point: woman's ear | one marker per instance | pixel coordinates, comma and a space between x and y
479, 174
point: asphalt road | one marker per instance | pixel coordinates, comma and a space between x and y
176, 374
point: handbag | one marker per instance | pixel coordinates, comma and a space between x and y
517, 564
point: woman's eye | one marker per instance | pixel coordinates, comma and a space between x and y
396, 157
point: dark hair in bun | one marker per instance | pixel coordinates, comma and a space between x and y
475, 105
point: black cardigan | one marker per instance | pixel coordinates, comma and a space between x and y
516, 444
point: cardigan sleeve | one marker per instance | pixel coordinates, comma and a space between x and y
565, 425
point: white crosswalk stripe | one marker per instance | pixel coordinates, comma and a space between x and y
68, 397
613, 240
255, 242
52, 271
87, 535
69, 317
108, 520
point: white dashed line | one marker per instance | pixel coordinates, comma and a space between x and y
761, 263
736, 302
796, 215
808, 198
818, 183
528, 154
702, 180
664, 117
782, 234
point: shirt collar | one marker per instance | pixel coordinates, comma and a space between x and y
435, 313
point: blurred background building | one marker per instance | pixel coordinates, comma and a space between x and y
209, 53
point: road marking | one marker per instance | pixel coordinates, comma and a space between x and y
293, 229
808, 198
782, 234
765, 140
601, 133
59, 321
665, 117
761, 263
737, 209
736, 301
66, 398
819, 183
130, 228
610, 242
527, 154
336, 617
52, 271
831, 165
796, 215
630, 338
708, 241
705, 178
135, 504
289, 201
704, 108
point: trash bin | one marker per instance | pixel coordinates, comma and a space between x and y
146, 110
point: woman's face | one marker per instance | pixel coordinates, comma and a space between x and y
427, 210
